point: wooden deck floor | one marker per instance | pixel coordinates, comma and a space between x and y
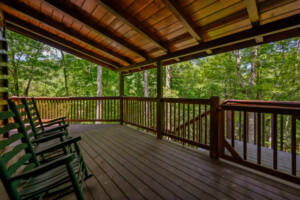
129, 164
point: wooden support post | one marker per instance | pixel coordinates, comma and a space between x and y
159, 109
214, 127
121, 96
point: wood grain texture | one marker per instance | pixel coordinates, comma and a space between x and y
129, 164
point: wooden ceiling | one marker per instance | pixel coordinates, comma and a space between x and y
132, 35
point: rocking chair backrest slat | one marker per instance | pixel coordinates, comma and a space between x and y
36, 110
33, 118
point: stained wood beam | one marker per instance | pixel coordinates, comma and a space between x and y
33, 14
132, 22
49, 36
253, 12
245, 44
285, 24
181, 15
259, 39
77, 14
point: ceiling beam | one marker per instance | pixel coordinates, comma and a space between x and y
259, 39
264, 30
131, 22
249, 43
38, 31
253, 12
77, 14
55, 45
184, 19
33, 14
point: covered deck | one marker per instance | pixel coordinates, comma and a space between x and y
131, 164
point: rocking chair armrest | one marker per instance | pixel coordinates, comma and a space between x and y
54, 129
50, 137
54, 120
44, 168
52, 123
59, 145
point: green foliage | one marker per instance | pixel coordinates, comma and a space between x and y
277, 74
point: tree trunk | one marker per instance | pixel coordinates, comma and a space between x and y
238, 57
294, 81
65, 72
146, 93
28, 86
253, 66
99, 93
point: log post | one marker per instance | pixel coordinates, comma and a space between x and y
121, 96
159, 109
214, 122
3, 69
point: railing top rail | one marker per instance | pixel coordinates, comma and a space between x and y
141, 98
265, 103
67, 98
290, 108
185, 100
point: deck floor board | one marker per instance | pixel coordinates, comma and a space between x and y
130, 164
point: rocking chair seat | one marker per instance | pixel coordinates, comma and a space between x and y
49, 180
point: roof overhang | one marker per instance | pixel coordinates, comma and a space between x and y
128, 35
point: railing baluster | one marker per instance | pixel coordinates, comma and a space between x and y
263, 129
232, 128
240, 125
293, 146
183, 112
245, 136
200, 126
170, 118
188, 116
259, 138
274, 139
179, 118
175, 118
205, 125
194, 109
281, 132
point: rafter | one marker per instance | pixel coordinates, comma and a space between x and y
31, 13
49, 36
131, 22
253, 12
188, 24
76, 13
288, 23
54, 44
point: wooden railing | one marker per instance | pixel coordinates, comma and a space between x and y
258, 134
187, 120
78, 109
140, 112
262, 135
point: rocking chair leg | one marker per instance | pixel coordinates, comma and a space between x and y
75, 183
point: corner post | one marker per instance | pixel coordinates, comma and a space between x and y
121, 96
159, 106
214, 122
